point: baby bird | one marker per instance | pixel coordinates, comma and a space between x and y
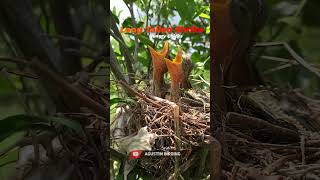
159, 69
179, 70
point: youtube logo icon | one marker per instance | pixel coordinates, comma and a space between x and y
135, 154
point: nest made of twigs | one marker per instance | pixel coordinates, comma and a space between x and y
159, 120
158, 116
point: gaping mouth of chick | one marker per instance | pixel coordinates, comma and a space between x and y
176, 73
162, 53
159, 68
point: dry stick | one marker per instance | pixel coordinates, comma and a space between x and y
296, 57
99, 157
136, 41
275, 165
128, 58
133, 92
288, 63
301, 172
253, 122
215, 158
278, 68
303, 150
35, 143
192, 102
280, 146
72, 39
45, 71
176, 118
185, 166
234, 172
301, 61
285, 60
277, 59
115, 67
312, 143
14, 60
22, 73
242, 135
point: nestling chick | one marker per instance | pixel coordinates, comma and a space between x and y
179, 70
159, 69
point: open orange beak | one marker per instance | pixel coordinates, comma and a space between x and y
159, 69
176, 71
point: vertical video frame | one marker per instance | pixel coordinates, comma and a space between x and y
160, 89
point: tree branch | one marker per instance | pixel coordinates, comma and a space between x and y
45, 73
115, 67
128, 58
294, 55
136, 41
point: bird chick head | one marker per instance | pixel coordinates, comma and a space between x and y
159, 69
157, 57
175, 67
179, 70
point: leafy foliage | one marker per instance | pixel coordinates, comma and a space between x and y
166, 14
293, 22
67, 39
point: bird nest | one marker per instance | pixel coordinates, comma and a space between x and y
271, 134
182, 126
158, 116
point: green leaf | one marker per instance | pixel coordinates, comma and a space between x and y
116, 18
207, 8
115, 101
140, 24
145, 40
7, 164
127, 23
206, 16
74, 125
11, 141
5, 87
183, 8
129, 1
120, 100
195, 57
308, 42
9, 157
200, 48
208, 30
291, 21
16, 123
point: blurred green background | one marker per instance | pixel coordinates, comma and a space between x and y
295, 22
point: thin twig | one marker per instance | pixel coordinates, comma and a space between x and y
128, 58
296, 57
278, 68
73, 39
136, 40
136, 93
303, 149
